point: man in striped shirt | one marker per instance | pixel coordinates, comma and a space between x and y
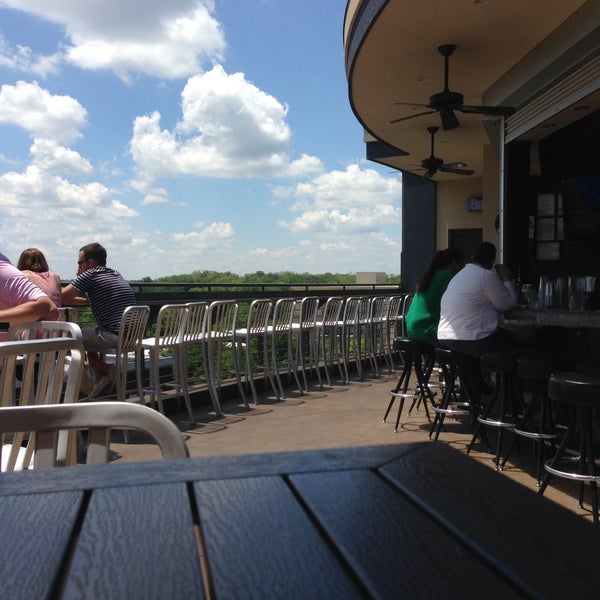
108, 295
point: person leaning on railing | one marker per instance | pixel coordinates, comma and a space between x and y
108, 295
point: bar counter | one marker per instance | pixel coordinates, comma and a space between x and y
572, 334
552, 317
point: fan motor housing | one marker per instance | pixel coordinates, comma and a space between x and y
446, 99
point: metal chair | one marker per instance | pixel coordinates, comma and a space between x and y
193, 348
37, 372
38, 330
307, 341
46, 423
221, 321
329, 334
170, 325
350, 341
131, 337
392, 326
254, 340
280, 333
376, 347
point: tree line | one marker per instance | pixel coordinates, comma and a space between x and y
260, 277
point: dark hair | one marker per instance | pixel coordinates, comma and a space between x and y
33, 259
484, 255
95, 252
442, 259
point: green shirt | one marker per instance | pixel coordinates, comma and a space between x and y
424, 311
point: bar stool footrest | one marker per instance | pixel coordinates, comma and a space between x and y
452, 410
574, 460
547, 433
496, 423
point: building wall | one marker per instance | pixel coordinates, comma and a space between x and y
452, 198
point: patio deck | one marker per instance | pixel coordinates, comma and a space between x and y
337, 417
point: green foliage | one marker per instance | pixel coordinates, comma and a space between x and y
260, 277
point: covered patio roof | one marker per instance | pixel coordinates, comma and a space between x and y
508, 52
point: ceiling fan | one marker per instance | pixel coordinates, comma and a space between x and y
446, 102
433, 164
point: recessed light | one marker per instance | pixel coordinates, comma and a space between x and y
582, 107
479, 2
423, 80
550, 126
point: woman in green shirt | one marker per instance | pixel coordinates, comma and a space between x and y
424, 311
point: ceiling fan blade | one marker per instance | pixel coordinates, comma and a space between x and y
449, 119
412, 104
410, 117
448, 169
500, 111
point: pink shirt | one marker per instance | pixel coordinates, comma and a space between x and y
15, 288
47, 283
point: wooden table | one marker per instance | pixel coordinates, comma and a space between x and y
413, 520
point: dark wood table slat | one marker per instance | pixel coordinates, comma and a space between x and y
36, 530
392, 545
545, 549
260, 543
137, 542
184, 469
420, 520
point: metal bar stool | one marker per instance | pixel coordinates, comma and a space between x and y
456, 400
537, 423
413, 354
580, 393
502, 411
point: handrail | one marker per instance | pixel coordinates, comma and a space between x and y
140, 286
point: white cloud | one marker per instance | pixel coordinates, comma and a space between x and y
40, 113
229, 128
50, 157
351, 202
163, 39
23, 59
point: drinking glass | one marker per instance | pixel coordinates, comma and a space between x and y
542, 291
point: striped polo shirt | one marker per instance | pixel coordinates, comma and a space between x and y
109, 295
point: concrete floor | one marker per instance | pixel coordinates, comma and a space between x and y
338, 416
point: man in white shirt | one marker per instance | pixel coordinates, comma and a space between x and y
471, 311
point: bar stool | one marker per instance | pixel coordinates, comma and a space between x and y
413, 353
580, 393
503, 407
537, 423
455, 401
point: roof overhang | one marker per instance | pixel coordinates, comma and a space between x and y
508, 52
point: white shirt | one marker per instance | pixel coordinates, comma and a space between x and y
473, 303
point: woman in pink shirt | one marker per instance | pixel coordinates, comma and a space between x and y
33, 264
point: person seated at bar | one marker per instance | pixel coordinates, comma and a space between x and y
20, 300
424, 311
471, 312
33, 264
108, 295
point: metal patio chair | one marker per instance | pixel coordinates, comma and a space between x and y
34, 372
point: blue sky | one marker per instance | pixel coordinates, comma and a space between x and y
187, 135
